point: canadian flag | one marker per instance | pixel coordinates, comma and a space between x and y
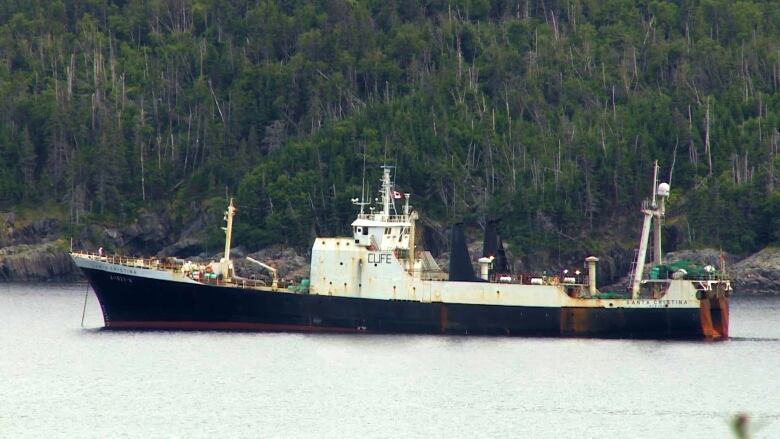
397, 195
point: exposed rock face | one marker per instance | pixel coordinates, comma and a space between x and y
147, 235
191, 240
182, 248
30, 252
45, 229
758, 274
36, 262
291, 264
707, 256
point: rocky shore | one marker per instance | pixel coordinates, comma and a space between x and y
37, 262
758, 274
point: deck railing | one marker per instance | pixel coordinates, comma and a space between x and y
386, 219
162, 264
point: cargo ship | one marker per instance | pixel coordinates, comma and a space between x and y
379, 280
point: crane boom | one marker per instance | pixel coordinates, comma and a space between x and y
274, 274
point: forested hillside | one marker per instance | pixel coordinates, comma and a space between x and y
547, 114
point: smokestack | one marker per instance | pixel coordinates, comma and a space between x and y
460, 261
492, 246
490, 243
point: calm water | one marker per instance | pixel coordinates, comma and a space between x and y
59, 380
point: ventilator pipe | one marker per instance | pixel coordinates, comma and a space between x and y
591, 260
485, 263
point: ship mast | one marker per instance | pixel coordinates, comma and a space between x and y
657, 210
386, 195
660, 212
412, 218
229, 214
362, 201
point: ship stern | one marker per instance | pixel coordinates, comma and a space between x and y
714, 317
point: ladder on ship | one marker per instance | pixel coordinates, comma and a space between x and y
632, 271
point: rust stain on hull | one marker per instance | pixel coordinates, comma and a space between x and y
723, 305
714, 316
584, 321
574, 321
711, 321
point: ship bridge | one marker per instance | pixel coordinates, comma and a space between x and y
385, 229
382, 234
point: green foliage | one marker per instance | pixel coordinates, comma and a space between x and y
547, 114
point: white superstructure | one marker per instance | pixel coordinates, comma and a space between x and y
388, 230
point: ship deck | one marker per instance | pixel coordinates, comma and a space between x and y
174, 268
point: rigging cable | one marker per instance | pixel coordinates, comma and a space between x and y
84, 311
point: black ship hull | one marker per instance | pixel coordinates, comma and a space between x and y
135, 302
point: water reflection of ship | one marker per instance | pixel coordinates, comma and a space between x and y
379, 281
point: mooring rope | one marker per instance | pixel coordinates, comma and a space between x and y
84, 311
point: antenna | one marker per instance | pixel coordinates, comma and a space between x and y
386, 191
392, 192
363, 184
362, 202
655, 182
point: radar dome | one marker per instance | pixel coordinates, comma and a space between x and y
663, 189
